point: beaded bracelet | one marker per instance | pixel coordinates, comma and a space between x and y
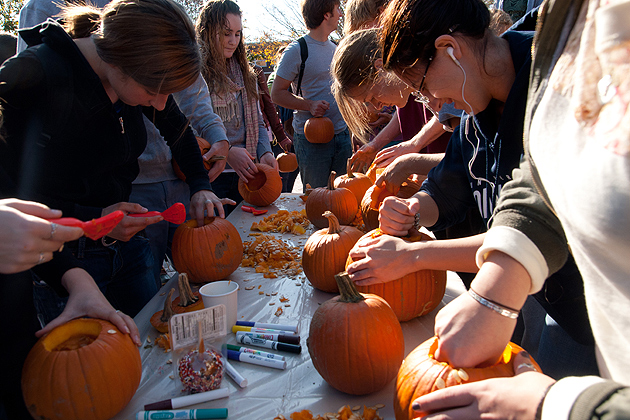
500, 309
416, 221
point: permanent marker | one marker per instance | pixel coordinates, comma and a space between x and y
186, 400
256, 360
283, 338
292, 328
233, 373
256, 352
200, 414
269, 344
237, 328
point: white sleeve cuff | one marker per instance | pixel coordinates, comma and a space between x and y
518, 246
562, 395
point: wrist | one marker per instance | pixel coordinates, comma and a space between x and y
502, 279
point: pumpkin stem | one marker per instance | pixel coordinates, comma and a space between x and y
167, 313
331, 180
186, 296
347, 290
350, 174
333, 222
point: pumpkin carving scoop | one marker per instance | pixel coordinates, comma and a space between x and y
95, 228
174, 214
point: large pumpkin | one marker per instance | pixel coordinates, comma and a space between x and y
207, 253
84, 369
421, 374
319, 130
413, 295
340, 201
326, 251
355, 341
374, 196
264, 188
358, 183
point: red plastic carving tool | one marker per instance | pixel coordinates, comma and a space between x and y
95, 228
174, 214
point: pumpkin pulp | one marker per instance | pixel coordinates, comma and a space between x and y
72, 337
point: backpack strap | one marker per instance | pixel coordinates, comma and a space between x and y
304, 55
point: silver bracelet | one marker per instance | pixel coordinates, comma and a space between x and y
501, 310
416, 221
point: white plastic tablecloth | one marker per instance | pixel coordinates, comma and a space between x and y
269, 392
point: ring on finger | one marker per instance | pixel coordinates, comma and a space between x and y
53, 229
41, 258
527, 365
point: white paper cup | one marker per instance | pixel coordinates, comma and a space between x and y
222, 293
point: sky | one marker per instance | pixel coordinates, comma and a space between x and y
256, 18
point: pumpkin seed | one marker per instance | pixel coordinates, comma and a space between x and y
440, 384
462, 374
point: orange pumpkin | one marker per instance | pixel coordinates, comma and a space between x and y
340, 201
287, 162
264, 188
204, 147
355, 341
207, 253
187, 301
160, 319
319, 130
421, 374
373, 172
326, 251
374, 196
412, 295
84, 369
358, 183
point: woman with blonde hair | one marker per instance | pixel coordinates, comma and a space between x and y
233, 89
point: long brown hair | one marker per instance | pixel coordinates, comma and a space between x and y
210, 25
358, 13
151, 41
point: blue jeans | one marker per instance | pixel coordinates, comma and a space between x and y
123, 272
159, 196
226, 186
316, 161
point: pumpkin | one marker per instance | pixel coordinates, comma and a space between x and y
374, 196
287, 162
421, 374
373, 172
413, 295
204, 147
340, 201
160, 319
319, 130
326, 251
187, 301
264, 188
358, 183
355, 341
207, 253
84, 369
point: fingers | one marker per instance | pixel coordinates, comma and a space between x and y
125, 324
523, 363
33, 208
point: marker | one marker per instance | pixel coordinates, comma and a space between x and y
282, 338
237, 328
269, 344
179, 402
232, 373
256, 352
201, 414
256, 360
293, 328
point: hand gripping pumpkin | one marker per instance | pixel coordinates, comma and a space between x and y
204, 147
264, 188
84, 369
421, 374
319, 130
412, 295
207, 253
355, 341
374, 196
339, 201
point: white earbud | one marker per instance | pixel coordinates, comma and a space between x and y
451, 54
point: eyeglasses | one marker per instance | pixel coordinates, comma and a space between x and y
421, 97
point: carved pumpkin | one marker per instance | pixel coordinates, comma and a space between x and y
358, 183
412, 295
160, 319
373, 172
264, 188
340, 201
84, 369
421, 374
374, 196
319, 130
187, 301
326, 251
204, 147
287, 162
355, 341
207, 253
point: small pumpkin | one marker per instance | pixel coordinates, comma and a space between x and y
287, 162
373, 172
421, 374
355, 341
160, 319
187, 301
204, 147
85, 369
374, 196
340, 201
319, 130
326, 251
207, 253
264, 188
357, 182
413, 295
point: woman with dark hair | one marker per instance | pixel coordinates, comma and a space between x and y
233, 88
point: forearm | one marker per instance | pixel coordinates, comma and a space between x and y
288, 100
449, 254
422, 163
428, 134
429, 212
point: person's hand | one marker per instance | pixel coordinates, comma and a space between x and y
514, 398
26, 239
387, 155
270, 160
380, 260
362, 158
220, 148
396, 173
396, 215
205, 202
286, 144
243, 163
318, 108
129, 226
383, 118
85, 299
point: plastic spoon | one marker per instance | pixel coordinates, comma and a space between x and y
95, 228
174, 214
